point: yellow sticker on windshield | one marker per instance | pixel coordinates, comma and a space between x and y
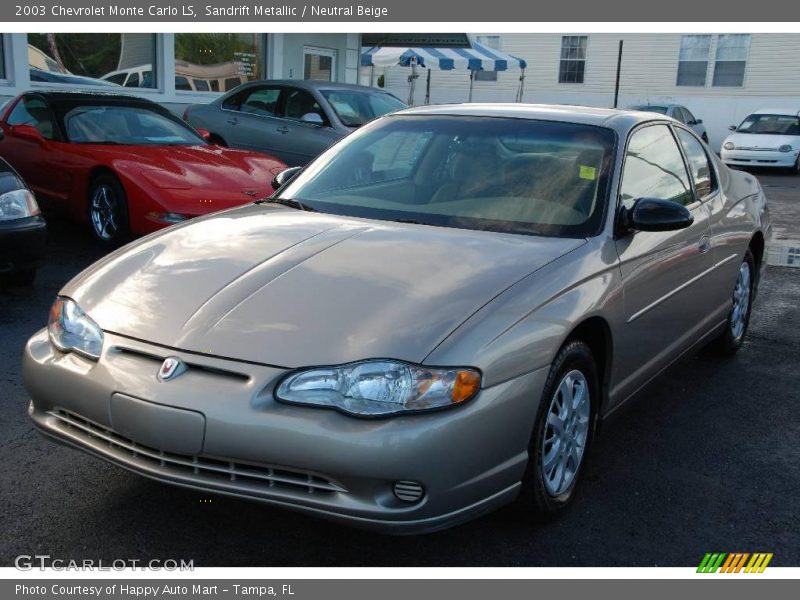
589, 173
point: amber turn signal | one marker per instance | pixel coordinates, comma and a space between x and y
466, 386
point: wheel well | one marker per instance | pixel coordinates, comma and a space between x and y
757, 248
95, 173
595, 333
221, 140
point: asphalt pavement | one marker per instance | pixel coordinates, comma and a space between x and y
707, 459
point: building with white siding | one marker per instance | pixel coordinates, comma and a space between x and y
720, 77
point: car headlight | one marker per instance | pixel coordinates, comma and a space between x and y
380, 387
729, 146
785, 148
71, 329
18, 204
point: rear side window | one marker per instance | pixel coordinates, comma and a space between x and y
261, 101
699, 165
654, 168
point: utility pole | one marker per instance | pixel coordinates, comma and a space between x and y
619, 67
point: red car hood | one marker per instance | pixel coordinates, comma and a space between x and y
220, 173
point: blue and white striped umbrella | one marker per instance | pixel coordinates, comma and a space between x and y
476, 58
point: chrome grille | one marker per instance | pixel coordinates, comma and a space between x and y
244, 478
754, 149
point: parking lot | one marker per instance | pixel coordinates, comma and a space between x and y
706, 460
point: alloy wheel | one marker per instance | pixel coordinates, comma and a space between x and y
104, 213
741, 302
565, 434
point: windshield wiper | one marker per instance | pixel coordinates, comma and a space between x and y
288, 202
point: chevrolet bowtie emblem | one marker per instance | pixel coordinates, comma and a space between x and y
171, 368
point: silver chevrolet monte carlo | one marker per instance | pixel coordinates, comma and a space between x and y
425, 323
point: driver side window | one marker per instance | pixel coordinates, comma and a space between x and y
299, 103
654, 168
36, 113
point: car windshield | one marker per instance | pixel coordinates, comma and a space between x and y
129, 125
771, 124
662, 110
495, 174
355, 108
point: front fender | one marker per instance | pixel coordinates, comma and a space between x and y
522, 329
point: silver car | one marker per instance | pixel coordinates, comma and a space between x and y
679, 113
424, 324
291, 119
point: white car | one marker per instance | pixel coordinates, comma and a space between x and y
766, 138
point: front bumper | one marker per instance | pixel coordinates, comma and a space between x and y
217, 428
759, 158
22, 244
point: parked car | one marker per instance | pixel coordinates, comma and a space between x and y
766, 138
124, 164
22, 229
679, 113
424, 324
294, 120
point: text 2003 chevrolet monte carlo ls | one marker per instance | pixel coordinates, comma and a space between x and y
425, 323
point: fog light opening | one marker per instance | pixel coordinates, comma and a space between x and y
409, 491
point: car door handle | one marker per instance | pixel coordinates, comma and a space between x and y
283, 129
233, 120
704, 245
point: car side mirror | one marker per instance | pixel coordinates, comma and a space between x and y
28, 132
732, 127
204, 133
698, 121
312, 118
282, 178
655, 214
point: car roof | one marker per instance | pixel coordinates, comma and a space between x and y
793, 112
80, 95
621, 120
311, 84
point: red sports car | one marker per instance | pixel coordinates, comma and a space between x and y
125, 164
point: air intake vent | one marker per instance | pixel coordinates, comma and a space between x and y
409, 491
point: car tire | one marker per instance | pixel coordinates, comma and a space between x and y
732, 338
547, 491
22, 278
795, 170
108, 210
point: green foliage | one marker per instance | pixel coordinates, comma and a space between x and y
89, 54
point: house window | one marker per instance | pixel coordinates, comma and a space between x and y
319, 64
216, 62
92, 59
731, 59
693, 60
573, 59
493, 42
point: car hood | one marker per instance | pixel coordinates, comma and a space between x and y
762, 140
208, 168
288, 288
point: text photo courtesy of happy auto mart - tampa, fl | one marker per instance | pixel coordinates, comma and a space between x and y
338, 298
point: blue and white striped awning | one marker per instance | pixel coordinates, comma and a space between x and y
476, 58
